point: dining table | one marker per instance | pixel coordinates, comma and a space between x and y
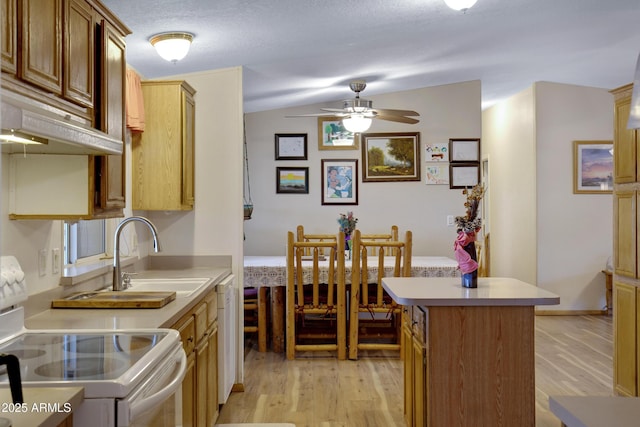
269, 275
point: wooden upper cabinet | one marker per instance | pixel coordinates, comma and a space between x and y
8, 36
624, 236
40, 59
163, 155
113, 82
626, 140
79, 52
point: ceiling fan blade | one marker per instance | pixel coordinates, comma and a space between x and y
388, 112
400, 119
313, 115
334, 110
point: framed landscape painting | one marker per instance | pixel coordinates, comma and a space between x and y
292, 180
339, 182
592, 167
332, 135
391, 157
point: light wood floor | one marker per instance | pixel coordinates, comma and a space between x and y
573, 356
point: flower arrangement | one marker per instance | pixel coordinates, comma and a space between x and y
347, 223
467, 227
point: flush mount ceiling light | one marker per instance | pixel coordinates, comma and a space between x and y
356, 123
461, 5
172, 46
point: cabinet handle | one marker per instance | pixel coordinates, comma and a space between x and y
190, 339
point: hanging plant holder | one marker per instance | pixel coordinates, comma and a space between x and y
248, 204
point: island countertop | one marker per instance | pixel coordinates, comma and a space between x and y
448, 291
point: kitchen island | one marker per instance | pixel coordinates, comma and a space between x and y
471, 351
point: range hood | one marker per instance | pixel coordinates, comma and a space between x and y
63, 136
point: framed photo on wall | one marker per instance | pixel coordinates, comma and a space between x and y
391, 157
339, 182
592, 167
292, 180
291, 146
464, 149
464, 175
332, 135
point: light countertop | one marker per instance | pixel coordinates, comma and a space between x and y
448, 291
79, 318
596, 411
34, 413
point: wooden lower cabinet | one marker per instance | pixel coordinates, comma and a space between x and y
415, 365
199, 333
626, 324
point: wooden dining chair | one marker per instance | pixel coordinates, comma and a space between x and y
391, 237
302, 237
375, 320
316, 297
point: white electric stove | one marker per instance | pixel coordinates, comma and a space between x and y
130, 377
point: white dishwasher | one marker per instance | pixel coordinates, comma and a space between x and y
227, 337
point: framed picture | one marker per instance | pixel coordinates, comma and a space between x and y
464, 150
437, 174
291, 146
332, 135
339, 182
292, 180
390, 157
463, 175
438, 152
592, 167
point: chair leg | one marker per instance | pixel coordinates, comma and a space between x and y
353, 326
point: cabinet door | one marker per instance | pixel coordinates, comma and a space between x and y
188, 148
109, 181
624, 235
212, 376
419, 383
111, 108
79, 52
408, 373
189, 393
202, 375
8, 36
41, 47
624, 144
625, 346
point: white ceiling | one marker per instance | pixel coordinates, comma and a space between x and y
298, 52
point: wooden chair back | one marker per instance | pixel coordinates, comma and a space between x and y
370, 265
302, 237
316, 296
391, 237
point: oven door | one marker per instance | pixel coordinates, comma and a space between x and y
153, 403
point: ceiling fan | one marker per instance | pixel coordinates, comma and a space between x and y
357, 113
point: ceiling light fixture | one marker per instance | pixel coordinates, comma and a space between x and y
10, 136
461, 5
172, 46
356, 123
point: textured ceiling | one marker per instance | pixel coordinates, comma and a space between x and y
298, 52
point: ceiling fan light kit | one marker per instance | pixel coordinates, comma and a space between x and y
172, 46
461, 5
357, 114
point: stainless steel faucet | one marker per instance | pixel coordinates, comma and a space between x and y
117, 274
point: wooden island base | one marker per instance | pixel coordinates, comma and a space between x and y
480, 366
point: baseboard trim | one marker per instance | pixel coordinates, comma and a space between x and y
570, 312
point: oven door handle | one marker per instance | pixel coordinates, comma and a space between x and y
140, 406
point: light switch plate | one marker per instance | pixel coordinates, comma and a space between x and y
42, 262
55, 260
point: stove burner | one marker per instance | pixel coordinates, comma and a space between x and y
80, 368
128, 344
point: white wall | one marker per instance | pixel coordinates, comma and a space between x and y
541, 232
450, 111
575, 232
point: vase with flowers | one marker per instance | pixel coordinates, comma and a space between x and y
464, 246
347, 226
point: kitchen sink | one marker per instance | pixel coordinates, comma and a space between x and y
183, 287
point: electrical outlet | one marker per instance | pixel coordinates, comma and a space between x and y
42, 262
450, 220
55, 260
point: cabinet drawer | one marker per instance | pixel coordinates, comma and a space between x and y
187, 330
201, 321
212, 307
